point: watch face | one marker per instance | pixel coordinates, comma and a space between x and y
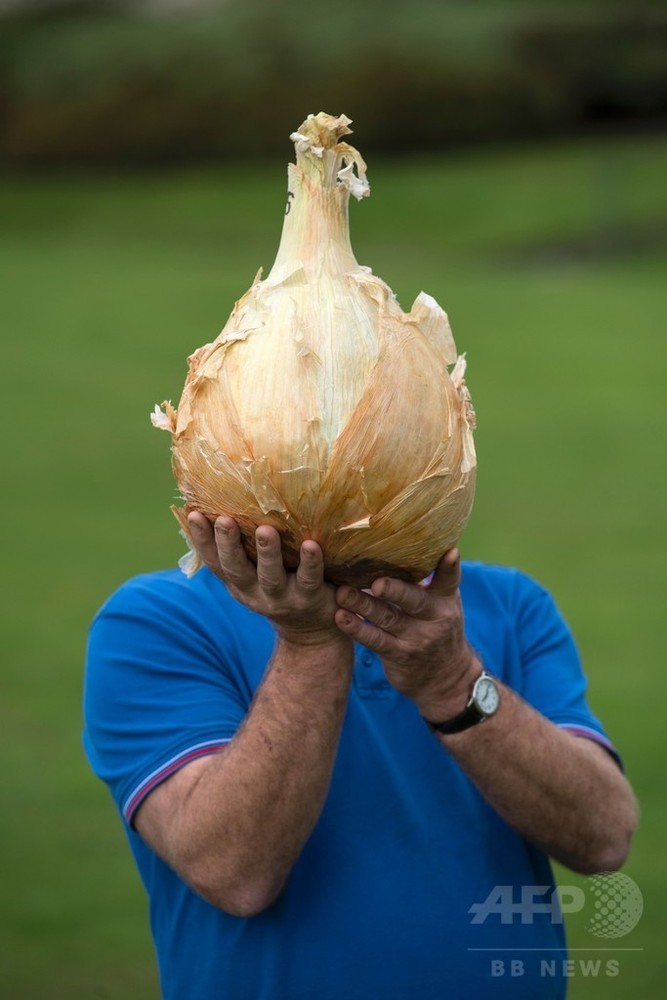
486, 695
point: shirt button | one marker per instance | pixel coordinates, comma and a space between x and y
367, 660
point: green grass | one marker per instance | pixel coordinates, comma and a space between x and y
550, 262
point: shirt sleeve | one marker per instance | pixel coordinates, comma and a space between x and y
159, 691
553, 678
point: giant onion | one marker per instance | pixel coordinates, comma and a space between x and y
322, 408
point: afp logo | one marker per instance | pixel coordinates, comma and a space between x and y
612, 902
617, 905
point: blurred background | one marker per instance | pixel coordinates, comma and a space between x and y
517, 157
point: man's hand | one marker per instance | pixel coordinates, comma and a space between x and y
418, 633
560, 791
232, 824
300, 605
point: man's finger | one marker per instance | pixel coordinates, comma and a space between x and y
271, 574
364, 632
385, 615
203, 538
221, 549
409, 597
447, 576
310, 571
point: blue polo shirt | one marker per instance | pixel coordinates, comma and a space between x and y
389, 898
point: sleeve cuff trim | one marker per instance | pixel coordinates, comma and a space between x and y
592, 734
136, 797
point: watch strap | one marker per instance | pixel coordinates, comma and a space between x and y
471, 715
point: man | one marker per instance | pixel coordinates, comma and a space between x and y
301, 828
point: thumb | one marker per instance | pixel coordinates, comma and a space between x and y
447, 576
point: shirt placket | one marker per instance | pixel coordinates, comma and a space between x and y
369, 677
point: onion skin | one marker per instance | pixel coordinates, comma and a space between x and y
322, 408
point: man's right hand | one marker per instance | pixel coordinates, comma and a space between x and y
300, 604
233, 823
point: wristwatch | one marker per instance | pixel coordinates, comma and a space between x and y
483, 703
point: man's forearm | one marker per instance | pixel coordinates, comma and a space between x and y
562, 792
245, 821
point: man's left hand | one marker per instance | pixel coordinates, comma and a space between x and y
558, 790
417, 631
